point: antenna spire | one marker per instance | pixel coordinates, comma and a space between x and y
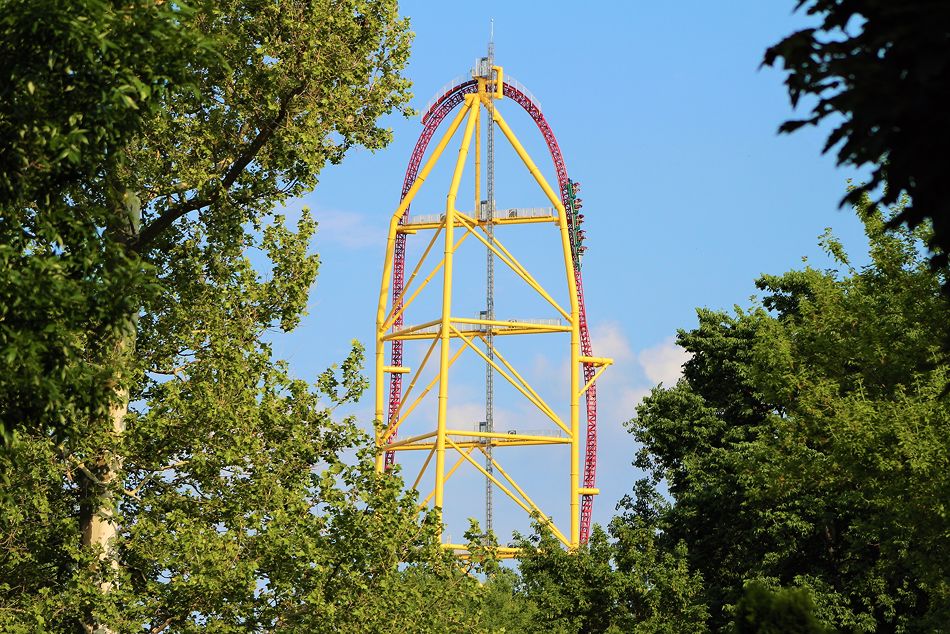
491, 42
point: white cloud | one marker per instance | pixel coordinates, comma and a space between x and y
349, 229
633, 374
465, 415
620, 389
663, 362
608, 339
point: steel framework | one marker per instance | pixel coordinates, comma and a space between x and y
396, 295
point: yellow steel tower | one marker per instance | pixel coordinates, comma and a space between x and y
450, 445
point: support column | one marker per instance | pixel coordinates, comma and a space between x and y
575, 533
472, 105
387, 275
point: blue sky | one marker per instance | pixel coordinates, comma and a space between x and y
663, 114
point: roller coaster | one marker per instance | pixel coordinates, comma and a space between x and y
487, 86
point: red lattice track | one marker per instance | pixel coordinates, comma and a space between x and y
447, 102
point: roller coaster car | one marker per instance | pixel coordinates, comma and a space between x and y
577, 186
580, 218
513, 213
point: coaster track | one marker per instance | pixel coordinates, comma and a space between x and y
433, 117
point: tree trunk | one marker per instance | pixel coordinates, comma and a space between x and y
100, 483
103, 482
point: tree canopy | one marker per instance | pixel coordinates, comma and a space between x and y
806, 444
80, 80
151, 134
162, 471
880, 72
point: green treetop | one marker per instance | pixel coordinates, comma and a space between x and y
806, 443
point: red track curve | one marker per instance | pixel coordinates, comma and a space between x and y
431, 120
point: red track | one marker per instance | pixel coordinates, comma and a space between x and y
431, 120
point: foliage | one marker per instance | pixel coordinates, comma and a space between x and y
131, 132
495, 605
500, 607
880, 70
762, 610
259, 523
806, 444
623, 584
79, 80
143, 157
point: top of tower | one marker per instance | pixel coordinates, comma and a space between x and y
483, 65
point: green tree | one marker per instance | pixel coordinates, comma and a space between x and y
499, 607
165, 472
879, 70
79, 80
257, 524
619, 582
762, 610
806, 444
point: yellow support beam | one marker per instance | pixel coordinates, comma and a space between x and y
500, 552
604, 361
592, 380
448, 475
499, 82
511, 329
425, 465
388, 263
412, 385
516, 374
528, 500
412, 440
511, 323
575, 333
395, 426
422, 226
505, 256
496, 442
505, 435
544, 407
473, 106
393, 313
517, 500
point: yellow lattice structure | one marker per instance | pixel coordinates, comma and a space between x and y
447, 336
